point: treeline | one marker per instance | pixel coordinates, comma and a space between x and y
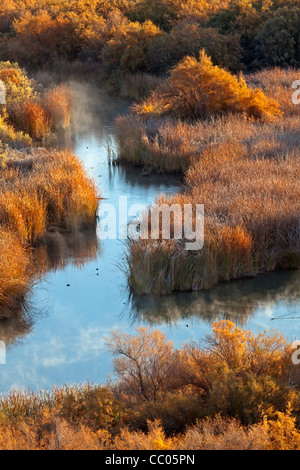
134, 36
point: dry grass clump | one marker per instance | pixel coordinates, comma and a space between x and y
46, 113
170, 145
251, 225
57, 103
14, 277
165, 144
23, 212
30, 117
198, 89
39, 189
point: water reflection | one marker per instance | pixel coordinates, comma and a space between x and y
55, 252
58, 250
137, 180
237, 301
17, 327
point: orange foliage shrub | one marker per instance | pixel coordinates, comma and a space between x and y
30, 117
198, 89
23, 213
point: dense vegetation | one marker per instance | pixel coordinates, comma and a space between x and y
213, 84
235, 391
134, 36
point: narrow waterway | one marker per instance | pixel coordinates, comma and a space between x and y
61, 339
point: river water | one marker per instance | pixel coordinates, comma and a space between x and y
61, 338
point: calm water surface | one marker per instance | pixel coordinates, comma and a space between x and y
62, 337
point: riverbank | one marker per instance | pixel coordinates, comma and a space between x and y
40, 190
194, 398
244, 171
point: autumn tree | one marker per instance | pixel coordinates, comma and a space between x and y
144, 363
43, 37
278, 42
126, 51
188, 38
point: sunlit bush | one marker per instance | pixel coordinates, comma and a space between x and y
188, 38
125, 52
18, 86
198, 89
30, 117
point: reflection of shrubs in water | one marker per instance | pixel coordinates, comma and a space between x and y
237, 301
17, 325
55, 251
58, 250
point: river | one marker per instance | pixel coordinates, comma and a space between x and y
61, 338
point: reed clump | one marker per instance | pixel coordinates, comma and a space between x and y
57, 103
139, 86
251, 225
14, 273
171, 145
30, 117
39, 189
48, 112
